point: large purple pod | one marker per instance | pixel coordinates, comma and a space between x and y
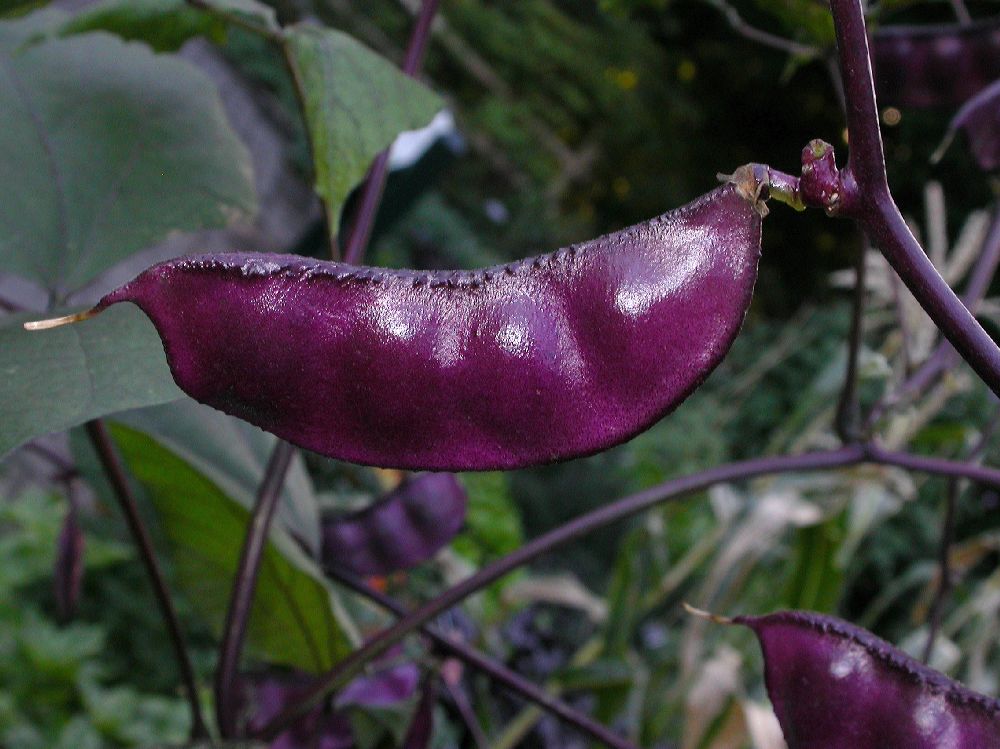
935, 66
544, 359
837, 686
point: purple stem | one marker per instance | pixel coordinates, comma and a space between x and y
623, 508
244, 585
371, 194
947, 537
496, 671
466, 714
848, 421
944, 356
102, 442
865, 197
944, 566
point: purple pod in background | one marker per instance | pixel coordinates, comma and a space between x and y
980, 119
544, 359
405, 527
69, 565
265, 695
935, 66
836, 686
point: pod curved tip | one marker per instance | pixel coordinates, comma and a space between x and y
55, 322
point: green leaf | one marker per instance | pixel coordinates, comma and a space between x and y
105, 149
809, 20
252, 10
55, 379
297, 619
356, 103
232, 454
16, 7
166, 24
492, 521
163, 24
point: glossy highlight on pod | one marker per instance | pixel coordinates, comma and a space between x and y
544, 359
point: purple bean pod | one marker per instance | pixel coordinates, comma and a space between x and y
935, 66
405, 527
980, 119
265, 694
544, 359
836, 686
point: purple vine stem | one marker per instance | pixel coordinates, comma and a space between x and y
104, 446
371, 194
611, 513
848, 419
944, 356
947, 537
244, 585
245, 582
863, 194
496, 671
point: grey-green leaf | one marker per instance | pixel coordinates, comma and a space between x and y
105, 149
163, 24
297, 619
166, 24
232, 454
55, 379
356, 103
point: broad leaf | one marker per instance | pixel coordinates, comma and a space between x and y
165, 24
105, 149
356, 103
252, 10
55, 379
17, 7
297, 619
232, 454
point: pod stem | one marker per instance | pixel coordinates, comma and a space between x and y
624, 508
57, 322
104, 446
244, 585
707, 615
371, 194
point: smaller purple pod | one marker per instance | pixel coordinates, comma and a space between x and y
265, 695
400, 530
980, 119
935, 66
836, 686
